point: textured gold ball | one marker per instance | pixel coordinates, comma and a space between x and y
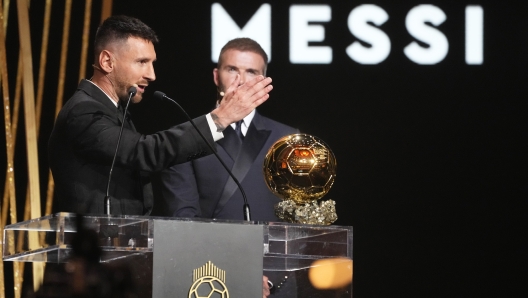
300, 167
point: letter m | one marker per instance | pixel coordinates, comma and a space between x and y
223, 29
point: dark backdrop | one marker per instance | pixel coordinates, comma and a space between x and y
431, 168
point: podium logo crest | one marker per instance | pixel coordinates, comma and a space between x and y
208, 282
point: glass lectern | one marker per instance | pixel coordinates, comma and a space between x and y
186, 256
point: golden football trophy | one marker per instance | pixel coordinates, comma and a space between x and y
300, 169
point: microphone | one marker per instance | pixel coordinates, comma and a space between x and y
107, 200
247, 213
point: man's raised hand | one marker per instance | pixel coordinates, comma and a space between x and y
239, 101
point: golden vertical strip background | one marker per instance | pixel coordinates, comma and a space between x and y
64, 55
9, 138
14, 128
85, 38
106, 9
18, 267
7, 118
31, 134
40, 97
51, 186
43, 60
10, 180
29, 106
33, 113
5, 14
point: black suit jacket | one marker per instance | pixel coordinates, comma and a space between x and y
202, 187
83, 143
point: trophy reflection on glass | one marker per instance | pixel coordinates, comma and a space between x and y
300, 169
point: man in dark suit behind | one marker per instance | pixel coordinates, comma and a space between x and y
83, 141
202, 187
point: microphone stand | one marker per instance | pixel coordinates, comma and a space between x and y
107, 200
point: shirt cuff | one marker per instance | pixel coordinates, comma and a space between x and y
212, 126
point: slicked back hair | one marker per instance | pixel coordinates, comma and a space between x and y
120, 28
244, 44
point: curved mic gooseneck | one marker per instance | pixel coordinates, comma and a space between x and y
247, 213
108, 200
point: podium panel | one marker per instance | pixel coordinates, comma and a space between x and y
226, 254
176, 256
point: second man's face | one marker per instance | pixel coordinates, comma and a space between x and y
246, 64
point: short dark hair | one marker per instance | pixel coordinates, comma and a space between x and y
120, 28
244, 44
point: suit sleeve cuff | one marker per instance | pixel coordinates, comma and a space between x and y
212, 126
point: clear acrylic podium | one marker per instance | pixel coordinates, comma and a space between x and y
179, 255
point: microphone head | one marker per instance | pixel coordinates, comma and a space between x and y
159, 95
132, 90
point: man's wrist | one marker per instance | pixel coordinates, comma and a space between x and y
212, 127
219, 126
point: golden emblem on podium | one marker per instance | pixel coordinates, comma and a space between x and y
300, 169
208, 282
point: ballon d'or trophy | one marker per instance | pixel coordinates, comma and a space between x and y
300, 169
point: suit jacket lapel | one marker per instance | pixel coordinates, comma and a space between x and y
94, 92
97, 94
255, 139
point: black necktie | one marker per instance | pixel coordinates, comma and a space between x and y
238, 129
231, 142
